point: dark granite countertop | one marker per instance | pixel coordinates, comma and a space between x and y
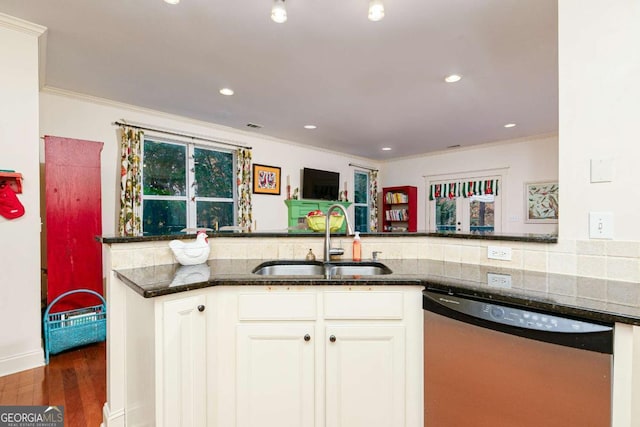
581, 297
531, 238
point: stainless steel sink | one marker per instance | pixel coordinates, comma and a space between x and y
359, 269
317, 268
290, 268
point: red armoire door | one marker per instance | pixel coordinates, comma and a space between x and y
74, 209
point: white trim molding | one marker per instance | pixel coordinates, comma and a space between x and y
13, 23
20, 362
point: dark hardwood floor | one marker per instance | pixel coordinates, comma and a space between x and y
75, 379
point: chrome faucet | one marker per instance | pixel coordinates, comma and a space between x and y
327, 231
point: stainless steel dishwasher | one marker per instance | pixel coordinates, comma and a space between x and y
488, 364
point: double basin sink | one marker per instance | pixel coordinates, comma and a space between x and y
318, 268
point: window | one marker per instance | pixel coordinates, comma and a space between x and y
361, 201
186, 186
465, 204
475, 214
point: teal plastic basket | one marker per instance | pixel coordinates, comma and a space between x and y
68, 329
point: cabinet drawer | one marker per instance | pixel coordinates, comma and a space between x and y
363, 305
303, 209
277, 306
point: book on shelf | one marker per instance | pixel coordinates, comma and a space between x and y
397, 215
396, 197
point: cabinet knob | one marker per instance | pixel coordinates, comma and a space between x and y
332, 338
307, 337
201, 308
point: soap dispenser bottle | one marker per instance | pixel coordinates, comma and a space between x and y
310, 256
357, 248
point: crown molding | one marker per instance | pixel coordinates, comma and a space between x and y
17, 24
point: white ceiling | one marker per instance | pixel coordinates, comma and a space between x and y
366, 85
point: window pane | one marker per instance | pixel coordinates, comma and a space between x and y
208, 213
214, 174
164, 172
481, 216
446, 214
164, 216
362, 218
361, 187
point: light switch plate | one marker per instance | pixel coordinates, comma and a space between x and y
601, 170
499, 252
601, 225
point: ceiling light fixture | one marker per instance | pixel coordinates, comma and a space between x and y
172, 1
510, 125
386, 148
278, 12
376, 10
226, 91
452, 78
310, 126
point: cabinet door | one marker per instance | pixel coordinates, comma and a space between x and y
365, 376
275, 375
184, 373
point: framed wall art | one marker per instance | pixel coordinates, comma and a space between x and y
266, 179
541, 202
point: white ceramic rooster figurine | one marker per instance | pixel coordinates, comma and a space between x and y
191, 253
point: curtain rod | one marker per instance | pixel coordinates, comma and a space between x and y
363, 167
122, 122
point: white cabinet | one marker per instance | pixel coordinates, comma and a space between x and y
166, 358
183, 362
275, 375
264, 356
321, 356
365, 376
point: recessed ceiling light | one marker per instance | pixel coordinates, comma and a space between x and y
510, 125
376, 10
172, 1
310, 126
226, 91
453, 78
279, 12
386, 148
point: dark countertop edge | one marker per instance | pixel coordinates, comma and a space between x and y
578, 313
281, 281
531, 238
518, 300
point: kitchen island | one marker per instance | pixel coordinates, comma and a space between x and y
155, 296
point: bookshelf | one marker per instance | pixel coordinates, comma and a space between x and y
400, 208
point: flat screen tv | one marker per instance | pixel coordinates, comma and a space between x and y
319, 184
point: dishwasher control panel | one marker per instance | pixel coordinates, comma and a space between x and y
515, 316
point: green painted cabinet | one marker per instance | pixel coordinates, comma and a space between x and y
297, 210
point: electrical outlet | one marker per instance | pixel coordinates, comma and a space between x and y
499, 252
496, 280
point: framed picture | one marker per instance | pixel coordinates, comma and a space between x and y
266, 179
541, 202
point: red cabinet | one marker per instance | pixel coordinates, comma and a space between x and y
400, 208
73, 220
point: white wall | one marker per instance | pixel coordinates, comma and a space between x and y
76, 116
599, 63
528, 160
20, 344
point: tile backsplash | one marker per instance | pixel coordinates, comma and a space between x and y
614, 260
